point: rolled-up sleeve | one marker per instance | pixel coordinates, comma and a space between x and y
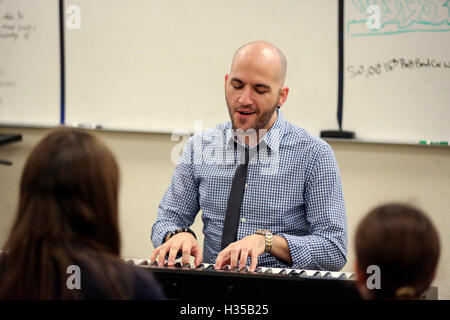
180, 203
325, 246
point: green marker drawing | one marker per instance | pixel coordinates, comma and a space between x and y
399, 15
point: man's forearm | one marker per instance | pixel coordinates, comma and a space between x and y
280, 249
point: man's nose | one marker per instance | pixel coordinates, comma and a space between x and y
246, 98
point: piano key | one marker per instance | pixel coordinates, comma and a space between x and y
153, 264
310, 273
328, 275
342, 276
268, 271
283, 271
244, 270
317, 274
226, 268
210, 268
259, 270
303, 274
352, 276
201, 266
278, 270
334, 274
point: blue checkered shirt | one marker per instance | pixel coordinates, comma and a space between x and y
293, 189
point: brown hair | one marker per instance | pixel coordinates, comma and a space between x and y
403, 243
67, 214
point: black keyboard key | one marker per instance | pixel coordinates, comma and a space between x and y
201, 266
154, 264
303, 274
268, 271
210, 268
293, 273
342, 276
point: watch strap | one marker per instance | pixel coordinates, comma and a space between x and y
268, 239
174, 232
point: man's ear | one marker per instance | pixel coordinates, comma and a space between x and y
227, 76
283, 96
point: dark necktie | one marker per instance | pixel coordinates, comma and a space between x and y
231, 223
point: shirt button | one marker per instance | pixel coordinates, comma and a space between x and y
246, 185
242, 219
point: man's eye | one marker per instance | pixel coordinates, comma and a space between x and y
237, 86
261, 91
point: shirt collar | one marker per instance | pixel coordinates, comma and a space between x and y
272, 138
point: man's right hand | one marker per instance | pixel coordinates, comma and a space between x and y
184, 242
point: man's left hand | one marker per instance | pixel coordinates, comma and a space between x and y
236, 253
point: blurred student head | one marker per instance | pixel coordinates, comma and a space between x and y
67, 213
403, 243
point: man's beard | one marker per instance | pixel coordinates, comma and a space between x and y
261, 120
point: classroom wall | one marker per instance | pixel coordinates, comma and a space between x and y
371, 174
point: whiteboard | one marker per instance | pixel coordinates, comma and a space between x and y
29, 62
160, 65
397, 77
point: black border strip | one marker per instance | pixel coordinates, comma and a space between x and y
62, 63
340, 64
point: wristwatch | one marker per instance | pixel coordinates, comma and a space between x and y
174, 232
269, 238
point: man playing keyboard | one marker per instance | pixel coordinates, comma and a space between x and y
270, 192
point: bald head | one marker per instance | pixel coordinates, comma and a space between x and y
266, 53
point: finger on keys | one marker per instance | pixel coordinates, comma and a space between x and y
162, 256
198, 254
172, 256
243, 258
254, 261
234, 257
186, 253
220, 261
154, 255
